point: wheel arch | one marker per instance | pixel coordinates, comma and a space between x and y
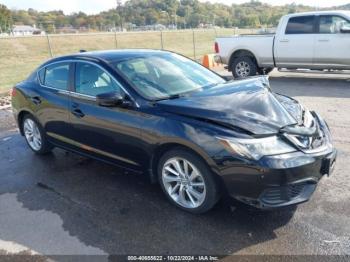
240, 53
20, 118
161, 149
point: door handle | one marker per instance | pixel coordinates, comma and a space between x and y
323, 40
284, 40
36, 100
78, 113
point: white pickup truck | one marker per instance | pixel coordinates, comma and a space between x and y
312, 40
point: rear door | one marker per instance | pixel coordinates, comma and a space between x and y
294, 47
110, 133
51, 100
332, 46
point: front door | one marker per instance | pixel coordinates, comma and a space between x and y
110, 133
331, 44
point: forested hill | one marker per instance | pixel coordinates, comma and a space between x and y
185, 13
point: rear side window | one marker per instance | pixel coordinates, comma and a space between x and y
55, 76
301, 25
41, 75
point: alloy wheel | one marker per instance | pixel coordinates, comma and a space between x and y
183, 182
32, 134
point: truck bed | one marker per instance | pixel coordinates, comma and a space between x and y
259, 44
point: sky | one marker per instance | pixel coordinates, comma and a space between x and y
95, 6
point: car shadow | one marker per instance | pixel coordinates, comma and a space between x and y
66, 204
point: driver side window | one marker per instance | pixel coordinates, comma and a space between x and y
92, 80
331, 24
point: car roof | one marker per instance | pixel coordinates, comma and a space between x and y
107, 56
330, 12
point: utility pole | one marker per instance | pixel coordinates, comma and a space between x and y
175, 15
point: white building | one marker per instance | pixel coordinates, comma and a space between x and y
25, 30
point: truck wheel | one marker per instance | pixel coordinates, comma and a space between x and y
243, 66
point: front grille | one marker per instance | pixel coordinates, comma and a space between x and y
282, 194
310, 143
294, 191
319, 140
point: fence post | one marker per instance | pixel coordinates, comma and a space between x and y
115, 39
161, 39
49, 44
194, 45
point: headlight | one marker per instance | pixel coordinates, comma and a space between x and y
256, 148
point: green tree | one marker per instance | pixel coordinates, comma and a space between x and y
5, 19
189, 13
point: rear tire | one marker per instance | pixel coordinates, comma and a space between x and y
243, 66
189, 184
35, 136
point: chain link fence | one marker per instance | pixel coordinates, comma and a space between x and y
21, 55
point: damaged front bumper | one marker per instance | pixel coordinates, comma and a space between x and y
281, 181
286, 179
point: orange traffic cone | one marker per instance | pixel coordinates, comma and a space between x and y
209, 61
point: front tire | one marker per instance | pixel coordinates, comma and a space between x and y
187, 182
243, 66
35, 136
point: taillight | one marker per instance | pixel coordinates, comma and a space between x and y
216, 48
13, 92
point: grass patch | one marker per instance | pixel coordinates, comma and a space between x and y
21, 55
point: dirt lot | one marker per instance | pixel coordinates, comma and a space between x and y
66, 204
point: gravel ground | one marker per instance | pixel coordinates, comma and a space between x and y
65, 204
5, 101
6, 120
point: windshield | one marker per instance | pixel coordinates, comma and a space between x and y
165, 75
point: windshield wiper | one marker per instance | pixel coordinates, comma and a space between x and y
209, 86
183, 94
175, 96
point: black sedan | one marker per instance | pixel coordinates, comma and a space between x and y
161, 114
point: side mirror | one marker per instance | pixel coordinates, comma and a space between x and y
345, 29
110, 99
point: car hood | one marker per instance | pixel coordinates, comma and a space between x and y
246, 104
